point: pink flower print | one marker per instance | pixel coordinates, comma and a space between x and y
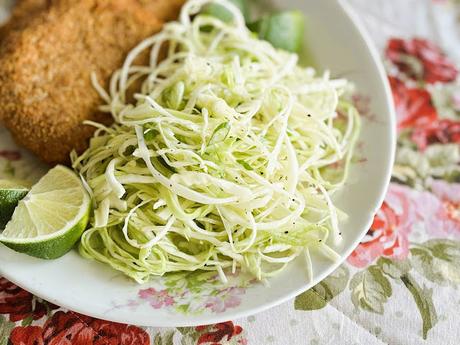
440, 209
225, 299
456, 101
388, 235
157, 299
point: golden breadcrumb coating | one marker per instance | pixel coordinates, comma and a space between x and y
46, 59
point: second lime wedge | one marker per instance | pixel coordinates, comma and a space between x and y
10, 194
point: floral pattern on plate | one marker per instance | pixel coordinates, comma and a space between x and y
193, 293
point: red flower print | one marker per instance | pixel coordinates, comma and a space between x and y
31, 335
442, 131
225, 331
116, 333
72, 328
415, 110
20, 304
10, 155
388, 235
420, 59
75, 329
414, 106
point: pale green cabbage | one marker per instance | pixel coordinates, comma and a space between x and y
227, 159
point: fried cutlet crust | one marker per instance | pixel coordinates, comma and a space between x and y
45, 66
22, 13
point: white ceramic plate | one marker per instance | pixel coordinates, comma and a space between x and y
337, 42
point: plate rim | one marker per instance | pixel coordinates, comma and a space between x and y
235, 314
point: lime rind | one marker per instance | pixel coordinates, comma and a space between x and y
53, 246
10, 195
51, 218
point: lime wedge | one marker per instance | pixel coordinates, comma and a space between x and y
10, 194
284, 30
51, 218
223, 14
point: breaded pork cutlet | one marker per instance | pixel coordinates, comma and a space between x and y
23, 12
45, 67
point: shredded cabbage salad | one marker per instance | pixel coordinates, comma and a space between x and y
226, 159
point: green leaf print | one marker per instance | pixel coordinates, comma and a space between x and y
166, 338
321, 294
424, 301
194, 282
27, 321
413, 167
438, 261
394, 269
444, 98
370, 289
5, 330
189, 335
186, 330
9, 169
399, 270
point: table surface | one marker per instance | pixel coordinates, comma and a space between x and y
400, 286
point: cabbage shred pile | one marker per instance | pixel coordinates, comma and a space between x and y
227, 158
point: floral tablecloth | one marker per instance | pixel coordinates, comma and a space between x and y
400, 286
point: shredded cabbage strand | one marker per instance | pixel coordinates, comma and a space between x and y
227, 158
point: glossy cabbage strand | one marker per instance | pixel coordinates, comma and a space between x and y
226, 159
